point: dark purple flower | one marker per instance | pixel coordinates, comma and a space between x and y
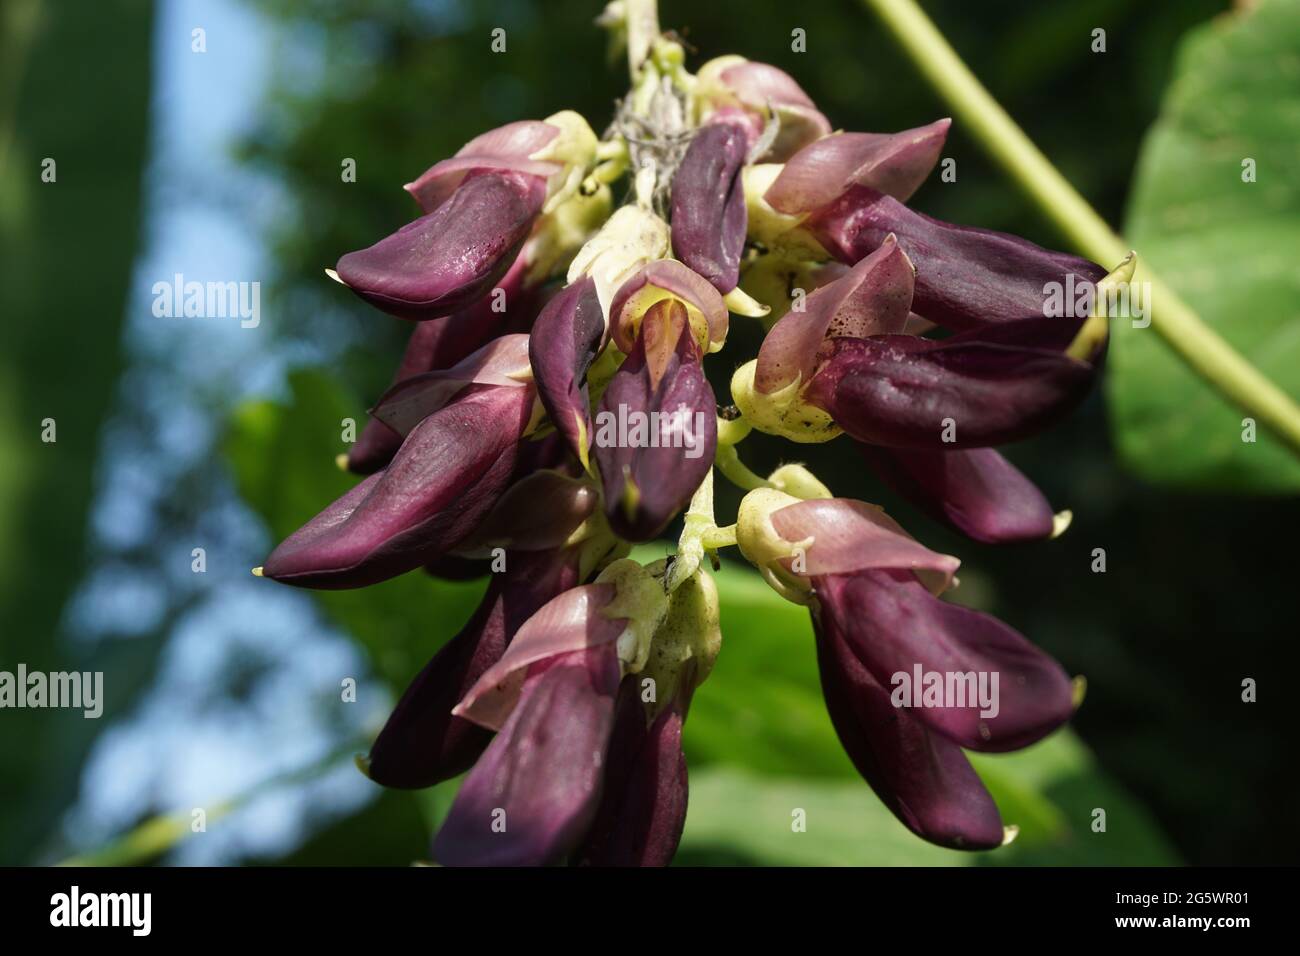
446, 476
708, 227
976, 491
643, 808
922, 777
909, 679
894, 626
449, 258
965, 277
423, 743
657, 428
535, 790
567, 336
442, 343
982, 387
586, 768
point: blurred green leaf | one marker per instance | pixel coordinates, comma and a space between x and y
1229, 247
1049, 791
71, 96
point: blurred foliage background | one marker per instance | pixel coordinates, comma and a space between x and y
1192, 601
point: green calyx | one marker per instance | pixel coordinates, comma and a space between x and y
764, 547
686, 643
640, 599
781, 412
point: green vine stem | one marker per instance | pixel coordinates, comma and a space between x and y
1203, 349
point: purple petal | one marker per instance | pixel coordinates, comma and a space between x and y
894, 626
566, 338
533, 793
978, 492
501, 362
708, 216
645, 487
873, 297
892, 163
422, 743
850, 536
537, 512
924, 779
973, 389
442, 343
965, 277
504, 148
446, 476
660, 280
569, 622
447, 259
643, 810
761, 87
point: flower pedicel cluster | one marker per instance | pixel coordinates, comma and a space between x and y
565, 695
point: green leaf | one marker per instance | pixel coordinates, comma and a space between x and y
1229, 247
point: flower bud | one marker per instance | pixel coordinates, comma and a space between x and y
656, 429
450, 257
447, 475
708, 218
632, 238
686, 643
441, 344
765, 93
893, 163
966, 277
985, 386
566, 339
872, 298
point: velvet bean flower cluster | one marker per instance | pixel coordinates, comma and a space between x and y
551, 411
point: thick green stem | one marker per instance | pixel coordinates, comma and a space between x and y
728, 461
1199, 345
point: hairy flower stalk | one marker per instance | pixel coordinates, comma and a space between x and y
552, 409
